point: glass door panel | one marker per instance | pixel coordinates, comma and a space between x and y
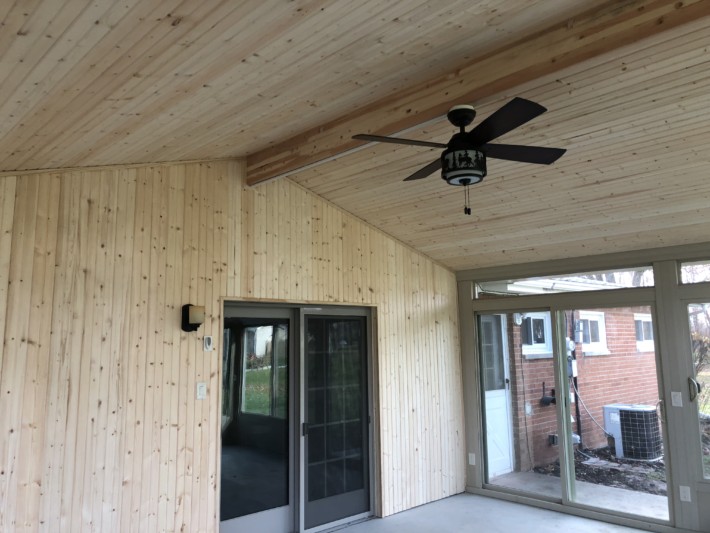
336, 422
614, 409
255, 477
519, 399
699, 320
229, 385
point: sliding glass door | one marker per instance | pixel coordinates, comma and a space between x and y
572, 390
256, 422
699, 381
336, 425
295, 418
615, 405
518, 395
572, 413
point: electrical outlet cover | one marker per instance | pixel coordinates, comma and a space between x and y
685, 493
676, 399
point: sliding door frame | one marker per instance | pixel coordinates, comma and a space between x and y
336, 311
236, 310
556, 304
297, 414
668, 299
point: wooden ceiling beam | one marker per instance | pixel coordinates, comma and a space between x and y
603, 29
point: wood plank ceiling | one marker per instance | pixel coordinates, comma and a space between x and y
636, 124
88, 83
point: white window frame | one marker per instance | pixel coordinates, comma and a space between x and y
540, 350
644, 345
600, 347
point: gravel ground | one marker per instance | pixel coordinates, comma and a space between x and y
602, 468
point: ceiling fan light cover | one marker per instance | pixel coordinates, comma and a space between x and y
463, 167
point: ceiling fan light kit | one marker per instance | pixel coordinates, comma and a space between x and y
463, 161
461, 164
463, 167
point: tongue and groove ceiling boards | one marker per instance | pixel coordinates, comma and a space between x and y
104, 82
286, 85
636, 126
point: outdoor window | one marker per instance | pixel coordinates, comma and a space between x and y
593, 332
644, 332
536, 335
265, 371
580, 282
695, 272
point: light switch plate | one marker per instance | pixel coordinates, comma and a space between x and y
472, 459
201, 391
676, 399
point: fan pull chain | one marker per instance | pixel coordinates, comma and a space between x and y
467, 200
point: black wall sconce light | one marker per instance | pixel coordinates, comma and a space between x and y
192, 317
547, 400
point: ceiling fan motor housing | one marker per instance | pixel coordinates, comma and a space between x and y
461, 115
461, 164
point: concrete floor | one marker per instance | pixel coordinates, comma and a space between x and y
469, 513
605, 498
252, 480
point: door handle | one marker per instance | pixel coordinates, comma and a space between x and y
694, 388
507, 383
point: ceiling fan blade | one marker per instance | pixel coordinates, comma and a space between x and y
513, 114
396, 140
425, 170
524, 154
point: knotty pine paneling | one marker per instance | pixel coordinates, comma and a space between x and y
101, 429
302, 248
204, 80
7, 211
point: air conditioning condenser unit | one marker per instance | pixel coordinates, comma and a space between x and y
636, 431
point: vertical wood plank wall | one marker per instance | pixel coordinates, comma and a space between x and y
99, 423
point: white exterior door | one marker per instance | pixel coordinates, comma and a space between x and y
496, 383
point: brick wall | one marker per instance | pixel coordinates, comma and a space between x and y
624, 375
532, 422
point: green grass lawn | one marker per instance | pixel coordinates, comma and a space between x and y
257, 392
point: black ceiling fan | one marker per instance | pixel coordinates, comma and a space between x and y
463, 162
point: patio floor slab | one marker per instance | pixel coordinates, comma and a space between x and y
589, 494
469, 513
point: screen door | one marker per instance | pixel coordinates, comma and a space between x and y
336, 421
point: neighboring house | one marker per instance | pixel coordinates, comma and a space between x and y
611, 355
613, 366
